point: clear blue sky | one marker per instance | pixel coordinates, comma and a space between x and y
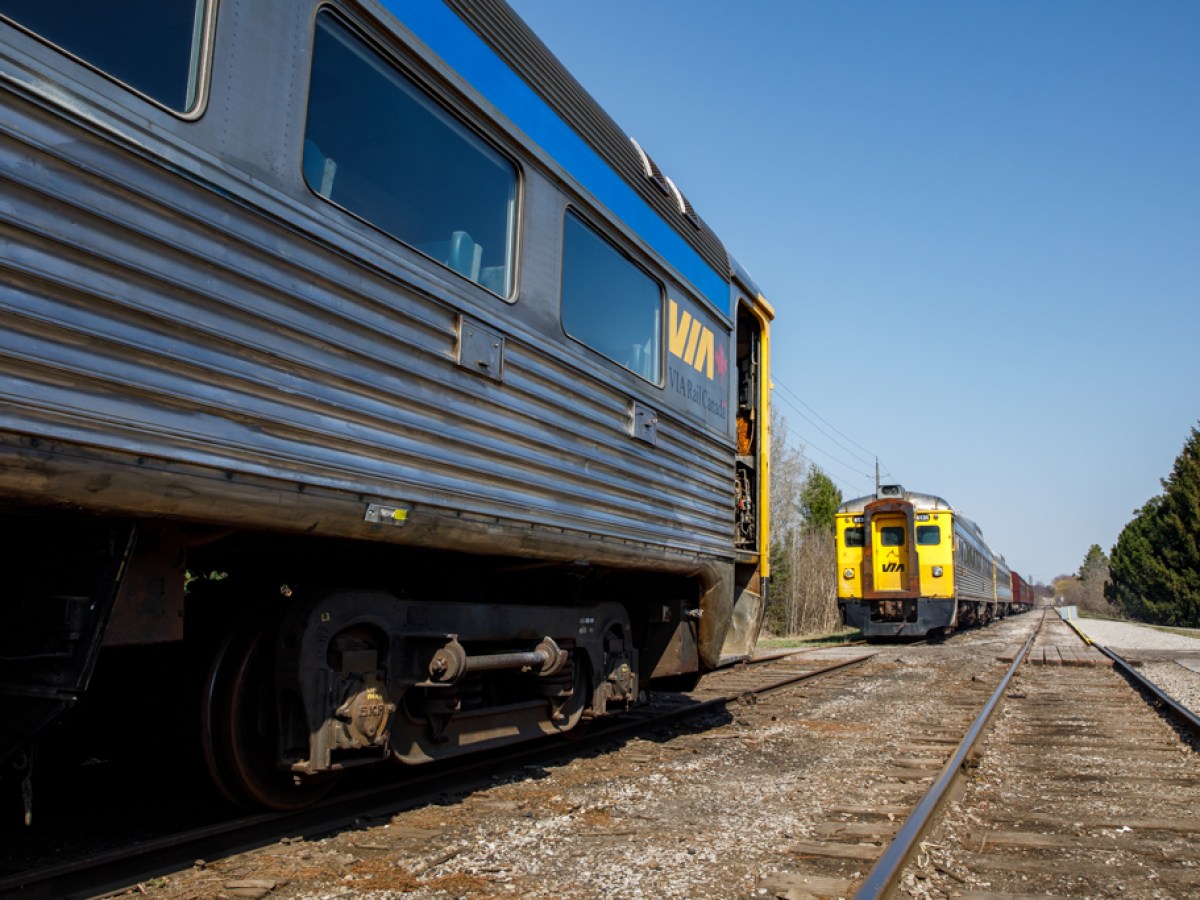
978, 222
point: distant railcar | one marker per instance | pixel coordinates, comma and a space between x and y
1004, 591
368, 393
1022, 593
909, 564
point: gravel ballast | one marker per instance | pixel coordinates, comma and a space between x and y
1171, 661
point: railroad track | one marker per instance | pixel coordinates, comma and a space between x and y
1081, 788
1086, 788
130, 862
776, 672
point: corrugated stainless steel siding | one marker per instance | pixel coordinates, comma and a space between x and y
970, 584
146, 313
1004, 591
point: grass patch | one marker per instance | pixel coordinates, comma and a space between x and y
845, 635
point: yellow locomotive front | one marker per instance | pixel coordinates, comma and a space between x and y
896, 574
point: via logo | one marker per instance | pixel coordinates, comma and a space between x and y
893, 567
695, 344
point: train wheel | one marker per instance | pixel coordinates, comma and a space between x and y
238, 726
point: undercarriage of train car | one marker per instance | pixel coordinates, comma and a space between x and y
910, 617
916, 616
245, 646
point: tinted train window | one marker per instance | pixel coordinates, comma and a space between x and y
891, 536
378, 146
929, 534
152, 46
855, 537
609, 303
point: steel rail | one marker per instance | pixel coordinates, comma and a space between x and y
886, 871
1165, 701
1173, 707
724, 699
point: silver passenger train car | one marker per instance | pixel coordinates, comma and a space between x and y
368, 394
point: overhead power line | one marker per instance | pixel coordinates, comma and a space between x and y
848, 488
843, 481
870, 457
809, 443
793, 402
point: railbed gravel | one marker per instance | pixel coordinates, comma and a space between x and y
1169, 659
701, 810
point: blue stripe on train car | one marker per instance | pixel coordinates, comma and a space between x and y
451, 39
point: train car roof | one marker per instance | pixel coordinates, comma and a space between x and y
742, 275
743, 280
919, 500
494, 22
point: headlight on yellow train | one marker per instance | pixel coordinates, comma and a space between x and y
848, 573
937, 571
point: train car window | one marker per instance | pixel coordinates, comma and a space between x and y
152, 46
609, 303
891, 536
929, 535
378, 146
855, 537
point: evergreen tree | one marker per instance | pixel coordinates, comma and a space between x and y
1134, 567
819, 501
1179, 530
1155, 565
1095, 565
1087, 589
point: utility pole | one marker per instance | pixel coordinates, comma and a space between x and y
877, 476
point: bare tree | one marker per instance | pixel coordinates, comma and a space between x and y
803, 556
1085, 589
787, 477
812, 600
